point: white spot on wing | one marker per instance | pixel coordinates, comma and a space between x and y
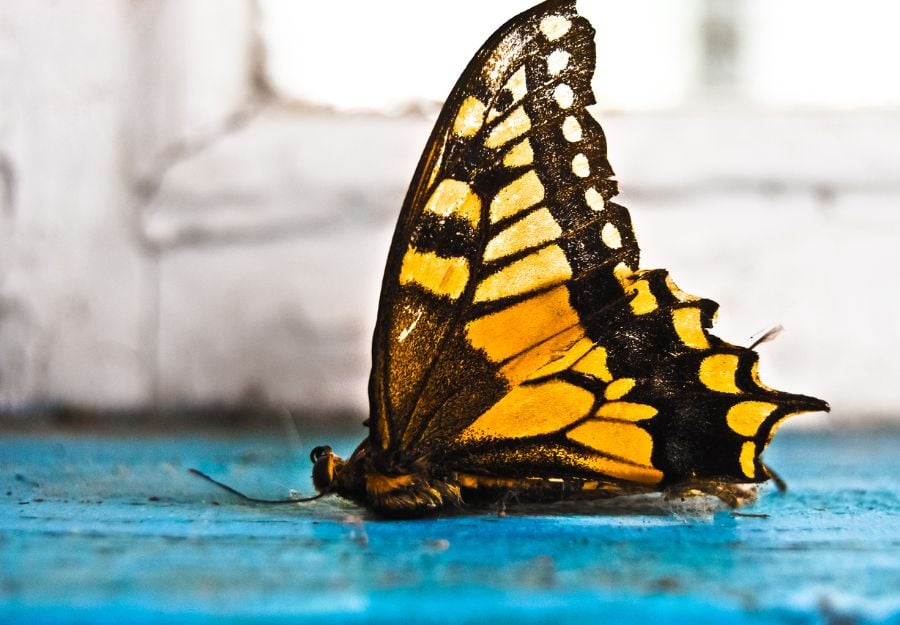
563, 95
611, 236
594, 200
555, 26
557, 62
571, 129
581, 167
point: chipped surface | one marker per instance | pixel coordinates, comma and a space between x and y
81, 518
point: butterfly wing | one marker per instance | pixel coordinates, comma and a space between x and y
478, 166
515, 335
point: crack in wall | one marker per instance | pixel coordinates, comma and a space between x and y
273, 232
261, 95
8, 186
258, 53
147, 187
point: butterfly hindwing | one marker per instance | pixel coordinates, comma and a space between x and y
662, 401
515, 334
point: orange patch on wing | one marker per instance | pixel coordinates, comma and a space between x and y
717, 373
622, 470
622, 440
626, 411
525, 365
516, 328
619, 388
747, 459
680, 295
594, 364
559, 364
686, 322
644, 301
746, 417
531, 410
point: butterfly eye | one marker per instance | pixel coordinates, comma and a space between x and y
318, 452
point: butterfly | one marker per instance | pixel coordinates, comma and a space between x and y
518, 347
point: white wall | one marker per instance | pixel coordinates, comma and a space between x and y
182, 222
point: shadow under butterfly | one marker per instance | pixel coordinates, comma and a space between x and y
519, 351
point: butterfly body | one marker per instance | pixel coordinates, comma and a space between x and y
422, 488
518, 347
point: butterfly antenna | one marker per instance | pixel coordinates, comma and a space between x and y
247, 497
769, 335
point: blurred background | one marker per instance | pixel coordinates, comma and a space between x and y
197, 196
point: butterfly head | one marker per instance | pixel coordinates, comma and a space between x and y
325, 465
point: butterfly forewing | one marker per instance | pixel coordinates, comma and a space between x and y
515, 334
478, 232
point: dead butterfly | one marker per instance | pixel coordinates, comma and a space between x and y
518, 347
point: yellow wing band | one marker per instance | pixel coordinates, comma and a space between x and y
686, 322
445, 277
746, 417
455, 198
543, 268
532, 230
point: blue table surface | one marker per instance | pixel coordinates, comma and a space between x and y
112, 529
